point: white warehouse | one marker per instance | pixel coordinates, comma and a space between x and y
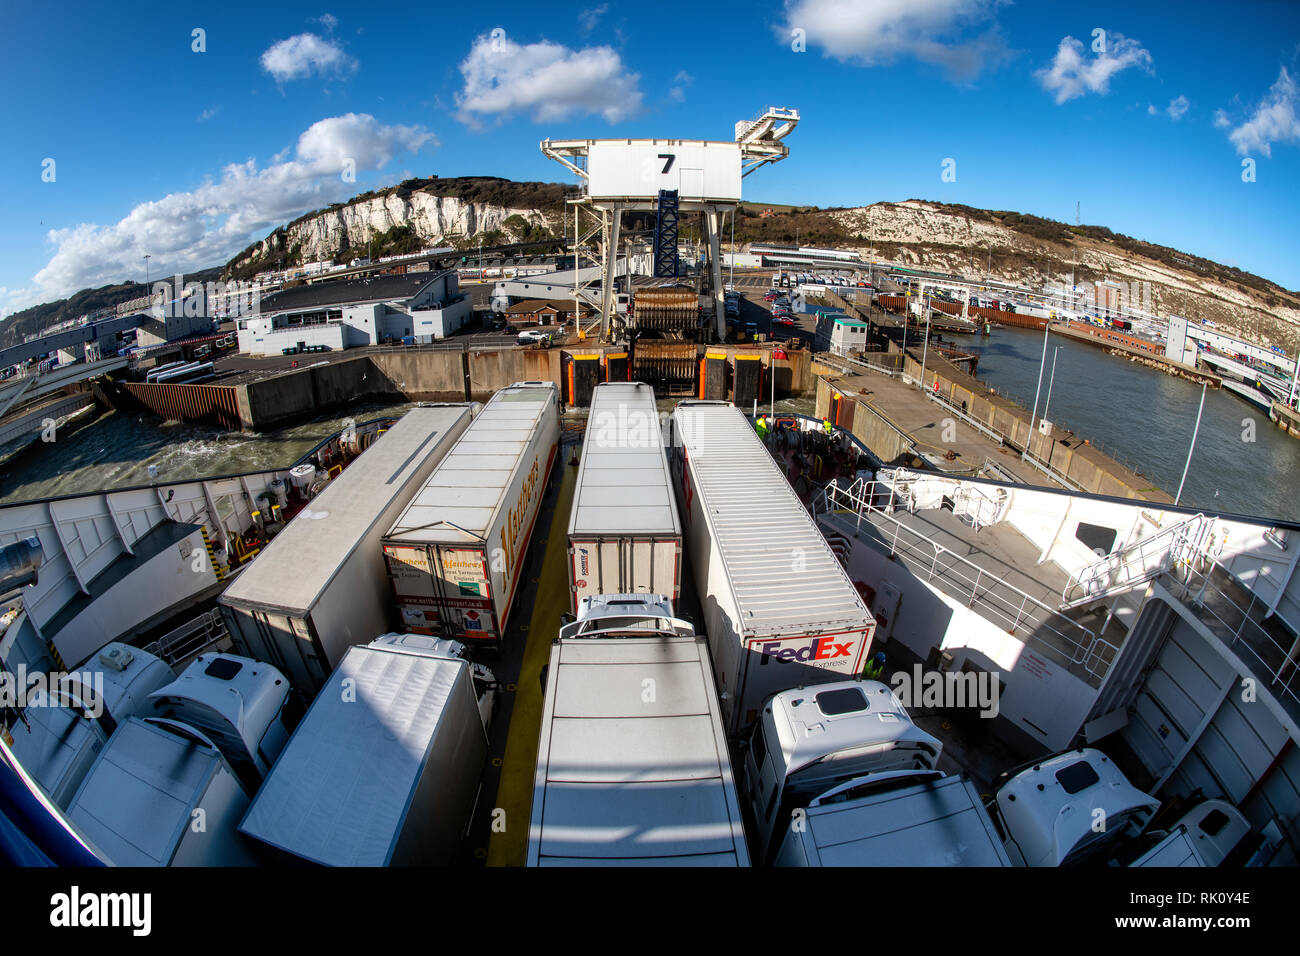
346, 313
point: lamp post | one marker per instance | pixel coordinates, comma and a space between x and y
1192, 447
925, 347
1050, 382
1047, 327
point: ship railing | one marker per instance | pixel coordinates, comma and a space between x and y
1069, 643
191, 639
1272, 652
1135, 564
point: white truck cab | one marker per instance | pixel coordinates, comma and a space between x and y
810, 740
1204, 836
1078, 807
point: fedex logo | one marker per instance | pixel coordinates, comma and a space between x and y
821, 649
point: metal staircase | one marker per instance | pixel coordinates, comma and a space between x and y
1136, 564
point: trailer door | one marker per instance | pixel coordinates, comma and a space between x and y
465, 599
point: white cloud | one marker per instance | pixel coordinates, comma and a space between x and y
682, 81
208, 113
549, 80
1073, 74
877, 32
204, 227
1176, 109
1276, 119
302, 55
588, 18
327, 20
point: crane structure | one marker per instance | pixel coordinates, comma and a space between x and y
626, 175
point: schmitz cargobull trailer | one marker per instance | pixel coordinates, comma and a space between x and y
624, 534
779, 609
455, 554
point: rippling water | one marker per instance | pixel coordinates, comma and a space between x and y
1144, 418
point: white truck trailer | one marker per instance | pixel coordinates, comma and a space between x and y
320, 586
384, 768
624, 534
779, 609
632, 763
455, 554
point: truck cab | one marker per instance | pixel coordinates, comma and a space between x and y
625, 615
1078, 808
808, 741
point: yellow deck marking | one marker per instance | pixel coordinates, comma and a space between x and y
515, 793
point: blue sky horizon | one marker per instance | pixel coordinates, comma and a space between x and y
185, 135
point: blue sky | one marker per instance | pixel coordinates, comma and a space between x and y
187, 156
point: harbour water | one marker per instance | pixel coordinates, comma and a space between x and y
1143, 418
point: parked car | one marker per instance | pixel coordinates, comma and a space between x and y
784, 320
530, 336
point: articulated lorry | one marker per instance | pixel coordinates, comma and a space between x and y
811, 740
779, 609
624, 533
455, 555
632, 762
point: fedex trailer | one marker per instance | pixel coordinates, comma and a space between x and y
779, 609
624, 533
455, 555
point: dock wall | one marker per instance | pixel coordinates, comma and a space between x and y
431, 375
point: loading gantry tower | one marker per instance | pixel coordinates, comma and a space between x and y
625, 175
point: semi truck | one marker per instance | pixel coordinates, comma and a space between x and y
624, 533
1077, 807
321, 585
632, 761
779, 609
455, 554
384, 768
810, 740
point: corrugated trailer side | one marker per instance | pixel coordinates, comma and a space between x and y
632, 760
321, 585
455, 555
624, 533
779, 609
